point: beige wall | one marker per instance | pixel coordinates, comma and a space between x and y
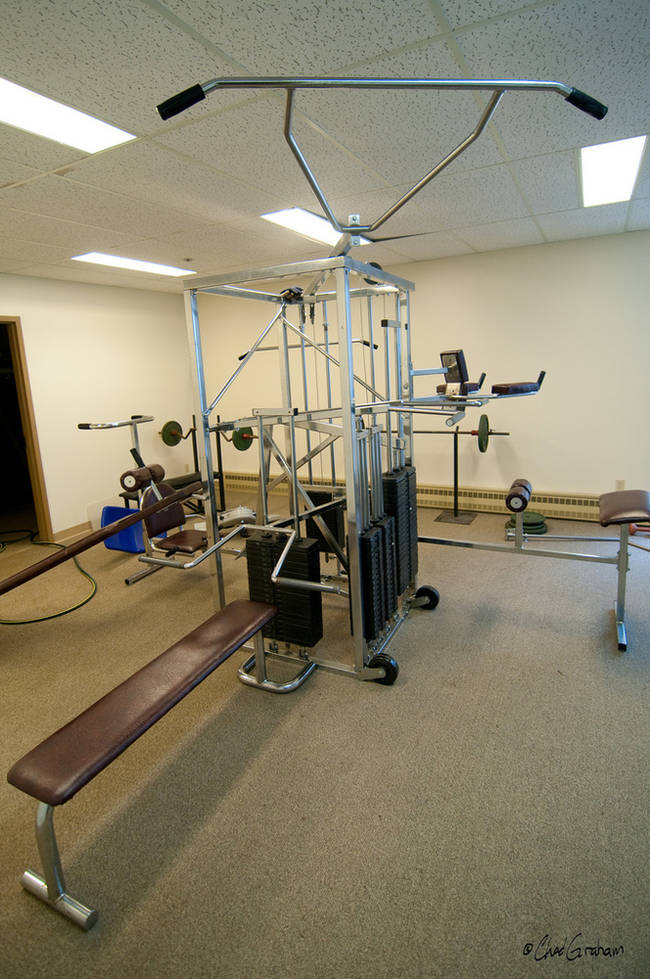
98, 354
580, 311
577, 309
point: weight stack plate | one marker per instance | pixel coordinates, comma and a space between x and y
413, 521
300, 613
396, 505
371, 547
333, 518
387, 527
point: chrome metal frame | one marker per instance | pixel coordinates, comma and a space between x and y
520, 539
373, 419
50, 888
495, 87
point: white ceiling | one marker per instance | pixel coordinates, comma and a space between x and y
189, 191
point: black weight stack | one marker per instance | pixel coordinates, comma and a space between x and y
387, 527
413, 521
300, 613
373, 588
397, 505
333, 518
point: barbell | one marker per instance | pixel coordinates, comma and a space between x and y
482, 433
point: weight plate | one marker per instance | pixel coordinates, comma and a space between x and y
171, 433
242, 438
483, 433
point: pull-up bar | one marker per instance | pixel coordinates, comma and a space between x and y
96, 537
497, 86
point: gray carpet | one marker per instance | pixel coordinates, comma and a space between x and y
485, 816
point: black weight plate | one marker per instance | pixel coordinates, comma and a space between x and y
483, 433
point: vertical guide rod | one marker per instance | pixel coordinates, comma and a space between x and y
205, 447
351, 451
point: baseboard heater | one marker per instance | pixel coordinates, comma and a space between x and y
569, 506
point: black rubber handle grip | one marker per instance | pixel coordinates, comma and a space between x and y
181, 102
585, 102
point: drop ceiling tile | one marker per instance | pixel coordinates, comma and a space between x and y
9, 265
421, 248
585, 222
74, 237
593, 45
35, 151
30, 251
410, 218
11, 172
501, 234
95, 275
642, 188
387, 255
473, 197
404, 134
460, 13
549, 183
248, 142
158, 175
639, 215
307, 38
114, 60
63, 198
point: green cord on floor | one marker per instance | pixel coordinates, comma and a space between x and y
29, 535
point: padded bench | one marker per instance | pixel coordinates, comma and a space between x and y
60, 766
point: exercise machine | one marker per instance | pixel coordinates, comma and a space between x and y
369, 416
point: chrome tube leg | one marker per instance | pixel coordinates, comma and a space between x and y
260, 658
619, 605
51, 887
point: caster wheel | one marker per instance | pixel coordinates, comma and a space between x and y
389, 664
432, 596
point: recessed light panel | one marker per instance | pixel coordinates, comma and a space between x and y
307, 224
133, 264
37, 114
609, 170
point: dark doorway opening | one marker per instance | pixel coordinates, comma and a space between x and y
17, 509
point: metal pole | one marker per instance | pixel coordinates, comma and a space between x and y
350, 448
456, 472
204, 445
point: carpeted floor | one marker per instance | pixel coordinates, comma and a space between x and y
486, 816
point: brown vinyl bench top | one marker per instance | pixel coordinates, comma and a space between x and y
624, 506
67, 760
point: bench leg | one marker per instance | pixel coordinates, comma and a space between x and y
259, 677
51, 888
619, 604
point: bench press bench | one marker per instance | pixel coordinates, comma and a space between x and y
63, 763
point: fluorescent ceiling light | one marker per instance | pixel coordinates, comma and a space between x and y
134, 264
609, 170
37, 114
307, 224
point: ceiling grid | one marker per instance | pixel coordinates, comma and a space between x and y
190, 191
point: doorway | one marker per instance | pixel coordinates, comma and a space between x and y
23, 501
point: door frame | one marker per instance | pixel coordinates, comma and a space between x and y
26, 406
